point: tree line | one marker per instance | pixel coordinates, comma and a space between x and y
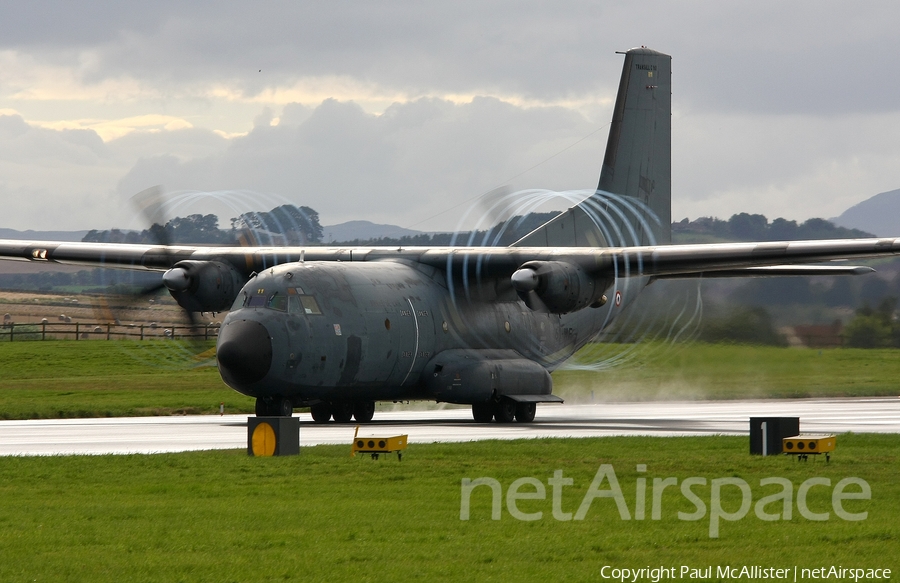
748, 227
874, 327
299, 225
283, 225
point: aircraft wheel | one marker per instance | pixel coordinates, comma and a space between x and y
363, 411
342, 411
285, 407
263, 407
321, 412
505, 411
525, 412
483, 412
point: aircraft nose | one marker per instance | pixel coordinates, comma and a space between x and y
244, 352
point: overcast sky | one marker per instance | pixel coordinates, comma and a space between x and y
399, 112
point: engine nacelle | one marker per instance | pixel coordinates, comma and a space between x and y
203, 286
556, 287
474, 376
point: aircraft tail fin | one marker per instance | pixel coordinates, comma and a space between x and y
633, 202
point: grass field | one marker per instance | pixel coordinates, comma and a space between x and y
654, 371
127, 378
110, 379
322, 516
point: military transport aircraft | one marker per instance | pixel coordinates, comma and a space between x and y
339, 328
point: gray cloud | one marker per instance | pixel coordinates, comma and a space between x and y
397, 167
47, 176
66, 179
788, 109
746, 56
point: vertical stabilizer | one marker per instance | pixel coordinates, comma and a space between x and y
633, 205
638, 161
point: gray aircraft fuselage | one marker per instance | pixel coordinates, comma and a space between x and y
382, 330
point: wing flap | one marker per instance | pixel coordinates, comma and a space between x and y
775, 271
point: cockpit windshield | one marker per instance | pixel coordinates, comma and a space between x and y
301, 303
291, 300
277, 302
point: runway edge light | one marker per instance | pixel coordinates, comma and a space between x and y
803, 446
271, 436
378, 445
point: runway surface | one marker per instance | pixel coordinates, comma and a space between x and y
172, 434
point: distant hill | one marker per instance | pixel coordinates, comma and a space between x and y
30, 235
503, 233
879, 215
364, 230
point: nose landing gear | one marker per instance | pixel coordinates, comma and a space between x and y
274, 407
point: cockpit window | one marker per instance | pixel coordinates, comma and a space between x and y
302, 304
291, 300
278, 302
310, 306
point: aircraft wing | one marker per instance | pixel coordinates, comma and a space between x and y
724, 259
750, 259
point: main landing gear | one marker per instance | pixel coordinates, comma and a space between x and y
504, 411
343, 411
322, 412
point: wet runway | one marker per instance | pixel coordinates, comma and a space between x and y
172, 434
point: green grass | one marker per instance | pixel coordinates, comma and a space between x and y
322, 516
98, 378
55, 379
654, 371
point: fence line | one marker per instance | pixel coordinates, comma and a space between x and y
14, 331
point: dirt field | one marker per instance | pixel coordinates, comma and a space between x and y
95, 315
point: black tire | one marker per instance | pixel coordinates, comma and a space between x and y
505, 411
285, 407
342, 411
321, 412
363, 411
483, 412
525, 412
263, 408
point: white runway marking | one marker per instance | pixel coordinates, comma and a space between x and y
172, 434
